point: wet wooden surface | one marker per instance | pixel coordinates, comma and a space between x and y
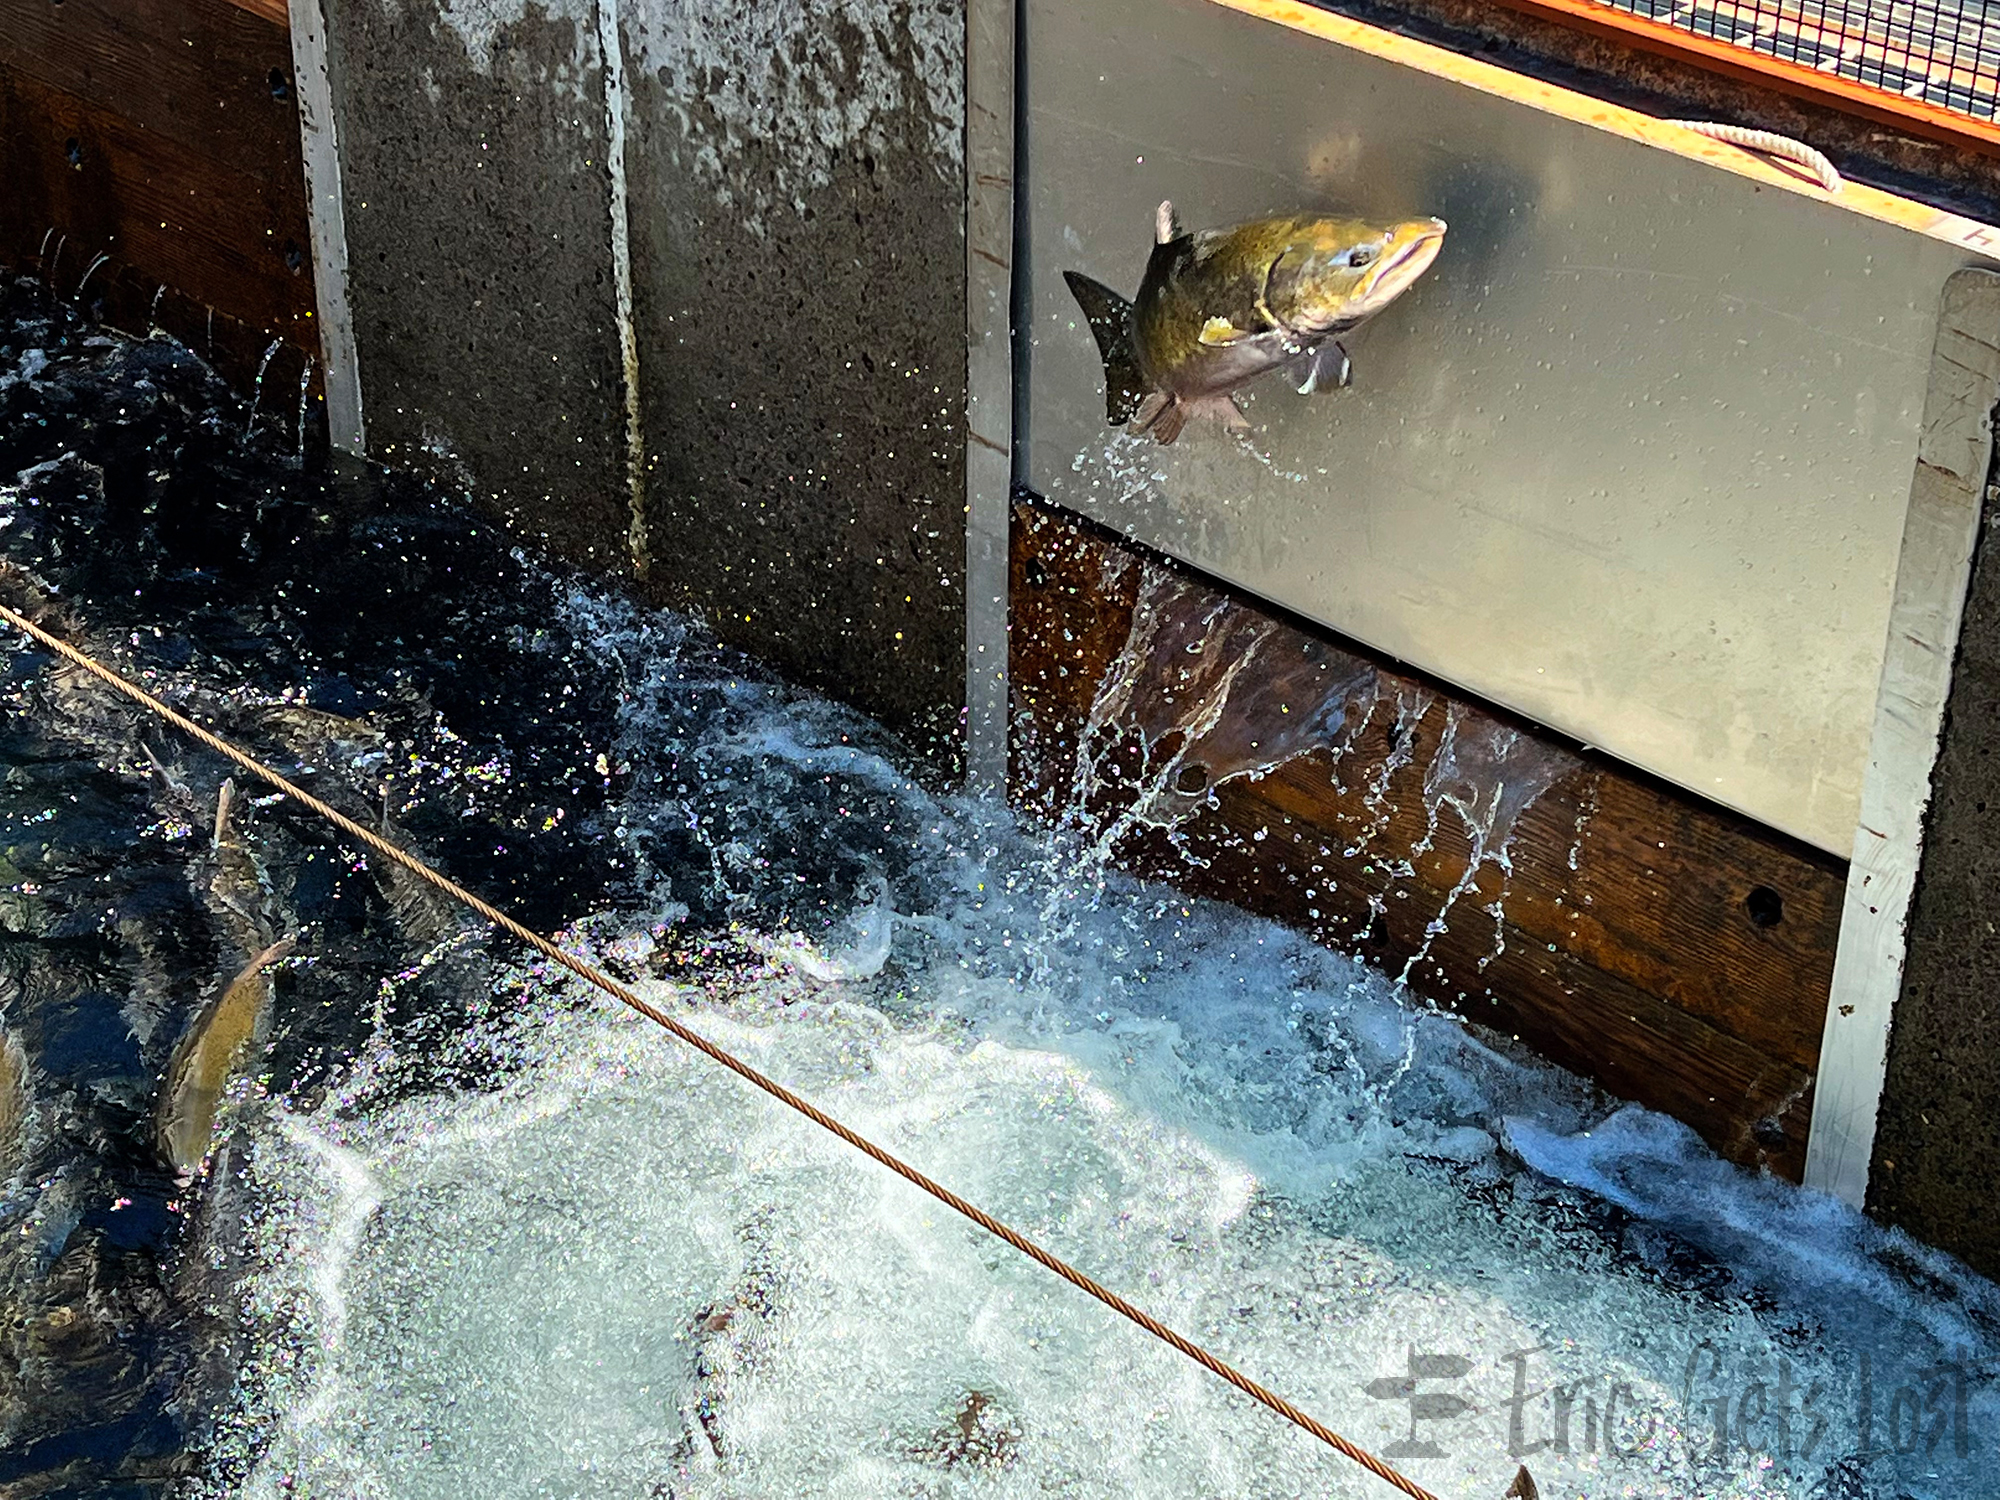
1674, 952
150, 151
274, 11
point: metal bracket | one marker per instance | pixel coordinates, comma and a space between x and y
319, 139
989, 381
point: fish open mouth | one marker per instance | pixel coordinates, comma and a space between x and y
1412, 246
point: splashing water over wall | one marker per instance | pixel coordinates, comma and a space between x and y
608, 1268
1197, 697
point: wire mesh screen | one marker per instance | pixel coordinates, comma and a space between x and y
1943, 51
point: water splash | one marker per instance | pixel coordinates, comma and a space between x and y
257, 385
89, 271
594, 1265
1489, 775
305, 391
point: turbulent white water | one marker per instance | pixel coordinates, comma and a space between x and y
613, 1269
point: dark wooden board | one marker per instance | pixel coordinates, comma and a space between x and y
1628, 943
145, 231
208, 75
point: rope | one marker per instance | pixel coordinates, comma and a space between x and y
1210, 1362
1770, 143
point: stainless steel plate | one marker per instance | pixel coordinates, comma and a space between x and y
1633, 459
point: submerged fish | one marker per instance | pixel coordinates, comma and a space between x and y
14, 1102
1219, 307
205, 1059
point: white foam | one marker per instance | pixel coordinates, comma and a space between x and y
623, 1272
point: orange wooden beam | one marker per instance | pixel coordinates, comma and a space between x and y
1918, 117
278, 11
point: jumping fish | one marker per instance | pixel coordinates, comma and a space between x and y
206, 1057
1219, 307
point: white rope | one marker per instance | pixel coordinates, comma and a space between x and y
1770, 143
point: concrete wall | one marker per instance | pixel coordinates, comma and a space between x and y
792, 198
477, 214
798, 268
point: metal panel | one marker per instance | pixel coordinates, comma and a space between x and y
346, 432
1633, 459
990, 45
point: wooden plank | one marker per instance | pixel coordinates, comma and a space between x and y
275, 11
208, 75
84, 182
1619, 934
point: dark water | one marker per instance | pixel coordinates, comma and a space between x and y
395, 653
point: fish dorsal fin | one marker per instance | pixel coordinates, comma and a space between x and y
1166, 223
1110, 318
1220, 333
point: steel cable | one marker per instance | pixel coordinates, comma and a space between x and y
1210, 1362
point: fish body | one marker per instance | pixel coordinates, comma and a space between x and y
1219, 307
15, 1104
206, 1058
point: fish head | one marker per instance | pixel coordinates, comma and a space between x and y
1331, 275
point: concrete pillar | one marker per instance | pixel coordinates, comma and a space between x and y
692, 309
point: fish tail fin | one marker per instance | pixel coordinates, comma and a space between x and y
1110, 318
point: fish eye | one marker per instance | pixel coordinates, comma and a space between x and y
1361, 255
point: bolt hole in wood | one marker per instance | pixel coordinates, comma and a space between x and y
281, 88
1766, 906
1192, 780
73, 151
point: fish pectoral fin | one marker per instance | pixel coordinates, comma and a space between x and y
1220, 333
1325, 368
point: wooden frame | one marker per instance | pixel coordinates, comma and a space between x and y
1918, 117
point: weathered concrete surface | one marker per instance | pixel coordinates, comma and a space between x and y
798, 261
1937, 1142
796, 202
472, 143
